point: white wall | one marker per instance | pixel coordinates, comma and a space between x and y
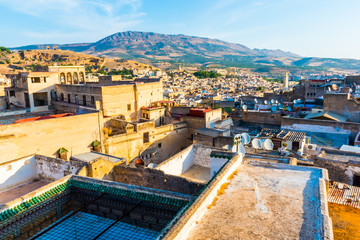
216, 164
179, 163
17, 172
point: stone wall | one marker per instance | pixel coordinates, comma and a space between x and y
341, 103
153, 178
164, 140
273, 118
51, 169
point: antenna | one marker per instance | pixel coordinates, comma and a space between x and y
246, 138
268, 145
256, 143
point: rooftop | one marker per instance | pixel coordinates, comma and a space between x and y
254, 199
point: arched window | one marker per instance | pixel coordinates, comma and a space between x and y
62, 78
69, 78
76, 79
82, 77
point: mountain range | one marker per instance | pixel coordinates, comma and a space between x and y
158, 48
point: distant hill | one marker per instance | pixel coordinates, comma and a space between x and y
155, 48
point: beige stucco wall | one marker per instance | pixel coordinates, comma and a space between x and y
129, 146
45, 137
115, 99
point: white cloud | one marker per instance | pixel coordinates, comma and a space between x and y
76, 19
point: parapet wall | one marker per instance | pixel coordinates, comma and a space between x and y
153, 178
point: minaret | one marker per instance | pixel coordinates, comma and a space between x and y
286, 80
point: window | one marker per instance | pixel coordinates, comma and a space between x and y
76, 99
40, 99
69, 98
93, 100
84, 100
159, 145
12, 93
129, 107
146, 138
35, 80
62, 97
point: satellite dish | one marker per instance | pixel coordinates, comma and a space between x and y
268, 145
265, 102
227, 147
276, 102
244, 107
289, 109
273, 108
152, 165
255, 100
294, 101
256, 143
212, 125
246, 138
272, 101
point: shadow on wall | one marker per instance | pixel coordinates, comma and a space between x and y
17, 172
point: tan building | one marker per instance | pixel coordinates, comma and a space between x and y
32, 90
116, 98
69, 74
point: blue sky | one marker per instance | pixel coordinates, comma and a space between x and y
320, 28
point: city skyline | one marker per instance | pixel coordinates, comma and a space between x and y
316, 31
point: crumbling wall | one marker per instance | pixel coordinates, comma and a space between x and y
153, 178
202, 155
100, 168
51, 169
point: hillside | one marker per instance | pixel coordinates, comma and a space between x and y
28, 59
164, 50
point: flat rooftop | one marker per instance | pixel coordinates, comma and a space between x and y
197, 173
88, 157
264, 201
18, 191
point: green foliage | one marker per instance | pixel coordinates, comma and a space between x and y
125, 73
62, 150
7, 61
95, 143
260, 88
4, 49
206, 74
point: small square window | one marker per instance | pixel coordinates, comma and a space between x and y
159, 145
129, 107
